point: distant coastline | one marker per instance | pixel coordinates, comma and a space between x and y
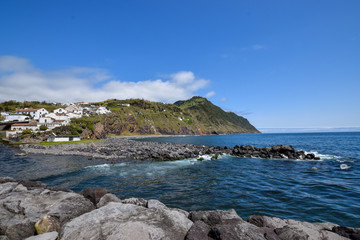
309, 130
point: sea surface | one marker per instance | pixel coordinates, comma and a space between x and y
316, 191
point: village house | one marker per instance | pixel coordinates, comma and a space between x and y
60, 111
10, 117
63, 138
19, 127
35, 113
102, 110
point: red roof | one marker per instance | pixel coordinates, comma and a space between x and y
25, 124
28, 110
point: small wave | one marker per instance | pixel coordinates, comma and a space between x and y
344, 167
104, 166
98, 166
323, 156
345, 161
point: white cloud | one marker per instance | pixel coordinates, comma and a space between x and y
210, 94
223, 99
19, 80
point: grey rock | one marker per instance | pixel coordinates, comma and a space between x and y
127, 221
45, 236
287, 232
21, 208
136, 201
7, 187
314, 231
213, 217
71, 207
156, 204
18, 228
236, 229
198, 231
106, 199
6, 179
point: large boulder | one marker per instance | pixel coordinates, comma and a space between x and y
94, 194
45, 236
222, 225
236, 229
128, 221
292, 229
213, 217
22, 207
198, 231
107, 198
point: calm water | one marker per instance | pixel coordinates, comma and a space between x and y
326, 190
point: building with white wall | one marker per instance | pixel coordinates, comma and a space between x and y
35, 113
19, 127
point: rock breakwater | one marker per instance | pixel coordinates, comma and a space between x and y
31, 210
127, 149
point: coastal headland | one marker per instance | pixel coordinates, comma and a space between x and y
33, 211
120, 149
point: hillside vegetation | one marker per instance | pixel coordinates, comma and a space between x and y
11, 106
195, 116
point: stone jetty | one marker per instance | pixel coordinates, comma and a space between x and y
126, 149
32, 211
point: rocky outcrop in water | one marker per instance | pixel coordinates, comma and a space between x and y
30, 210
126, 149
278, 151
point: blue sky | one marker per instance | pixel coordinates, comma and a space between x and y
281, 64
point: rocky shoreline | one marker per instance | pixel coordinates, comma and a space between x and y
118, 149
32, 211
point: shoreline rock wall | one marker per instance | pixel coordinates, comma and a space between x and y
127, 149
30, 210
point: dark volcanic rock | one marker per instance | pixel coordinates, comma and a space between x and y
236, 229
213, 217
119, 149
352, 233
198, 231
94, 194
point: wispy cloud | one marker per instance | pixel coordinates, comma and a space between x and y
21, 81
210, 94
223, 99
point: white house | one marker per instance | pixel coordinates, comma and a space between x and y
58, 116
45, 120
74, 115
63, 138
19, 127
74, 109
60, 110
16, 118
102, 110
33, 112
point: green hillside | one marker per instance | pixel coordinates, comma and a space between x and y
211, 118
192, 117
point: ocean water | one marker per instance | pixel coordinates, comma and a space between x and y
316, 191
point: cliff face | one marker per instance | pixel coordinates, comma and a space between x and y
196, 116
